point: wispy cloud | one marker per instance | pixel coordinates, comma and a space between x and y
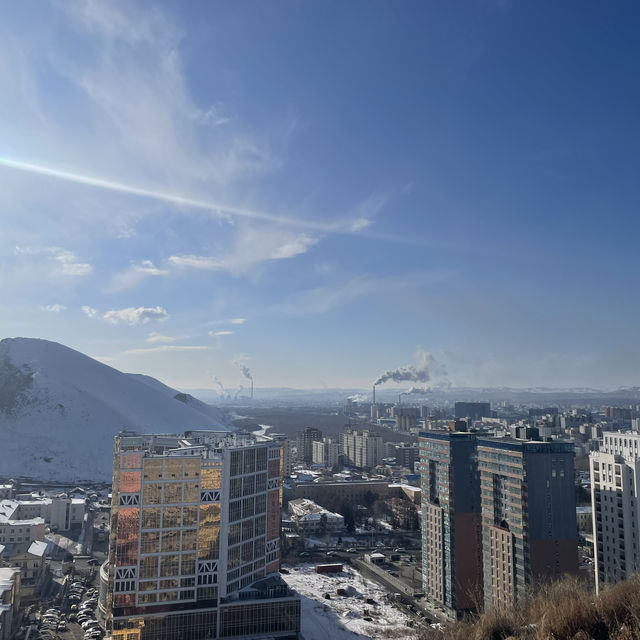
365, 212
238, 320
214, 116
68, 262
135, 274
71, 266
360, 223
158, 337
326, 298
252, 247
90, 312
221, 333
217, 208
166, 348
136, 315
53, 308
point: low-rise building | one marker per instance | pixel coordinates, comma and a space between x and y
59, 512
584, 518
9, 601
30, 558
310, 519
15, 530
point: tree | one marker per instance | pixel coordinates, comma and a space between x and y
323, 524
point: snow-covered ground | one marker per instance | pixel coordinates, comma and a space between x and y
343, 617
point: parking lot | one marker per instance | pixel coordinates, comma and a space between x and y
75, 616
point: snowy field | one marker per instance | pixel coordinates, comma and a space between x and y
343, 617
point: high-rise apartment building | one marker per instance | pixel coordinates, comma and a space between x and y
304, 443
406, 455
451, 521
498, 517
326, 452
472, 410
615, 474
529, 530
194, 545
362, 449
285, 444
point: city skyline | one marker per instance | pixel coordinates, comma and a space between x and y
316, 192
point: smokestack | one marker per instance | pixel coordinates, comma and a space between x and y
252, 388
374, 394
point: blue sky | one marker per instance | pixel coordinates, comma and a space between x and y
314, 189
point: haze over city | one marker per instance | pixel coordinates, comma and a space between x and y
316, 191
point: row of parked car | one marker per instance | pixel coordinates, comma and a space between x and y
82, 606
51, 621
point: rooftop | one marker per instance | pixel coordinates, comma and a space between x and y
38, 548
305, 509
195, 442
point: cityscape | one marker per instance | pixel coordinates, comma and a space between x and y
404, 518
317, 320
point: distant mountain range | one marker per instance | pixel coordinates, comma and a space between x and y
60, 410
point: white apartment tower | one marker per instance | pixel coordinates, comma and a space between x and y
326, 452
615, 478
361, 449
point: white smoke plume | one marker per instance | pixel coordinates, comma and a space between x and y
420, 372
358, 397
418, 391
223, 391
238, 392
238, 362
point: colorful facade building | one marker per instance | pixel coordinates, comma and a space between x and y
194, 547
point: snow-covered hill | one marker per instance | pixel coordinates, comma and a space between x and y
60, 409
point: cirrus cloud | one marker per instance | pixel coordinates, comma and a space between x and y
252, 247
154, 336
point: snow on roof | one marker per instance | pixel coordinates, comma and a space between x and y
403, 485
305, 509
6, 578
7, 509
585, 509
38, 548
377, 554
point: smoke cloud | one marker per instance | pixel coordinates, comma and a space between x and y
420, 372
416, 391
238, 392
223, 391
358, 397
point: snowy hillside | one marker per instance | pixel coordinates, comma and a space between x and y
60, 409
